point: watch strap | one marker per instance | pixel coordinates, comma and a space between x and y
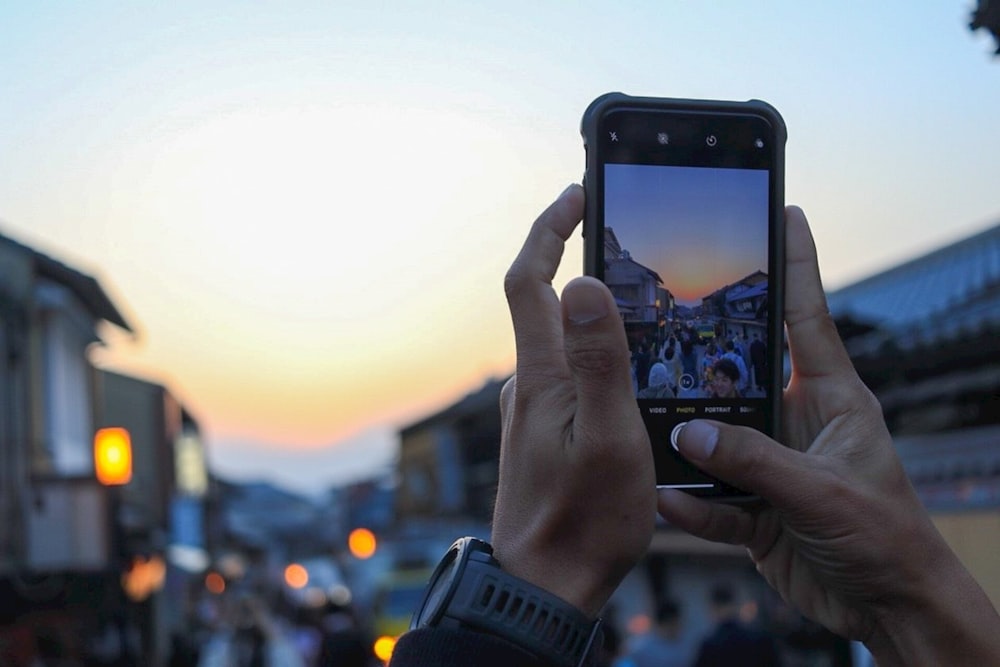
501, 604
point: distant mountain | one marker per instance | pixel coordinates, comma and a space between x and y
307, 472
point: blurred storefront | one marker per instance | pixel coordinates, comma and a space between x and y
448, 461
97, 541
59, 589
161, 512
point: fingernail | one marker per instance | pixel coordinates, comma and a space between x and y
697, 440
566, 191
585, 303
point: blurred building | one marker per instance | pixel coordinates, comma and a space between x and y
448, 461
270, 524
58, 564
94, 572
739, 309
161, 512
643, 302
925, 337
368, 503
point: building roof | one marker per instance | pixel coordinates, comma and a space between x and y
760, 289
951, 289
84, 287
485, 398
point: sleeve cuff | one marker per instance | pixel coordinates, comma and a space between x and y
447, 647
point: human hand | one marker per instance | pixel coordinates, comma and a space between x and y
576, 499
844, 537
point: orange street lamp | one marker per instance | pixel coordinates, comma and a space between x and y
113, 456
361, 543
296, 576
215, 583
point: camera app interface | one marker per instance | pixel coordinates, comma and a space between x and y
685, 255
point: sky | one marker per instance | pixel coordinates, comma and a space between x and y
306, 208
698, 228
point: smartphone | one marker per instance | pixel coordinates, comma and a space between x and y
684, 223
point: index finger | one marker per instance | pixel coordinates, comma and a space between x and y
534, 306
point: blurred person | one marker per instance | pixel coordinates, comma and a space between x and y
52, 650
734, 356
708, 359
186, 639
670, 358
343, 643
249, 636
277, 649
744, 345
643, 360
725, 380
732, 642
839, 533
658, 385
662, 645
758, 360
689, 359
115, 641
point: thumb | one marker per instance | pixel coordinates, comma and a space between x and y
597, 354
747, 459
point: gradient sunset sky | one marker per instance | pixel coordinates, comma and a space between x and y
699, 228
307, 208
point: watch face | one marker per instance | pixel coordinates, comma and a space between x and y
438, 591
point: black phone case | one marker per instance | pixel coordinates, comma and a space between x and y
593, 251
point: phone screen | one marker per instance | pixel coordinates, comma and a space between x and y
688, 242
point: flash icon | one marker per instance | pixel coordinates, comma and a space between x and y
663, 138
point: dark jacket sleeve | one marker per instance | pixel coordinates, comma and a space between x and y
458, 647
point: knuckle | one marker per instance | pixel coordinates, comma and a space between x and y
593, 357
514, 281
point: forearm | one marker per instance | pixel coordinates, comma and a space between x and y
950, 623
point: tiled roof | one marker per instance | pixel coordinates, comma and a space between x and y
948, 290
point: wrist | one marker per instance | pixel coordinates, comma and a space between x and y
567, 578
470, 589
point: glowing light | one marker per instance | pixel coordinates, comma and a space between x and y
232, 566
341, 595
639, 624
144, 577
113, 456
215, 584
383, 648
296, 576
362, 543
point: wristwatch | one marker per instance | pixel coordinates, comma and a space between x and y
469, 589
